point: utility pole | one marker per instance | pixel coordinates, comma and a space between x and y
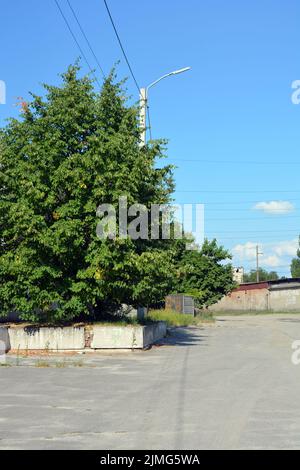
143, 111
144, 102
257, 262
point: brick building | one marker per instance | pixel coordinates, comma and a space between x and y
282, 295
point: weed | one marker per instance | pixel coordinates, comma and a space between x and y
173, 318
18, 356
61, 365
77, 363
42, 364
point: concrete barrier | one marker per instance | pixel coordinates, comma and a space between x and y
81, 337
127, 337
155, 332
4, 340
117, 337
51, 338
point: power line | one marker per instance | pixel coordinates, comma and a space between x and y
241, 219
230, 202
235, 162
78, 45
121, 45
246, 237
274, 215
281, 266
237, 191
237, 240
85, 37
297, 230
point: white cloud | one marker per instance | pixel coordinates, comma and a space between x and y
245, 251
275, 207
287, 248
271, 261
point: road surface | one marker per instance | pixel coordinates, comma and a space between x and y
228, 386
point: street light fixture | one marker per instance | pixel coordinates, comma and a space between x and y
144, 99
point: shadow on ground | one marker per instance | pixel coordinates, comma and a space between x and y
187, 336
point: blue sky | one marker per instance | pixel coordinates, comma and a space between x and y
233, 130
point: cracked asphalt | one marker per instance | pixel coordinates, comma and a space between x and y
231, 385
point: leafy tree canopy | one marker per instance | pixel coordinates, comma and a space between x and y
204, 273
295, 265
71, 151
264, 275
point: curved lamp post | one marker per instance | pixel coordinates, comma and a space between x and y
144, 99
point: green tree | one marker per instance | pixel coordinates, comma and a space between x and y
204, 273
295, 265
70, 152
264, 275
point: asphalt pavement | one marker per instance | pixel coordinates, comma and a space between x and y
231, 385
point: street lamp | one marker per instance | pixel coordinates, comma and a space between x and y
144, 99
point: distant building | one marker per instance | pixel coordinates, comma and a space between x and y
238, 275
282, 295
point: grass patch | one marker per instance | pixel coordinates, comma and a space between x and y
205, 316
42, 364
63, 364
173, 318
108, 320
59, 364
